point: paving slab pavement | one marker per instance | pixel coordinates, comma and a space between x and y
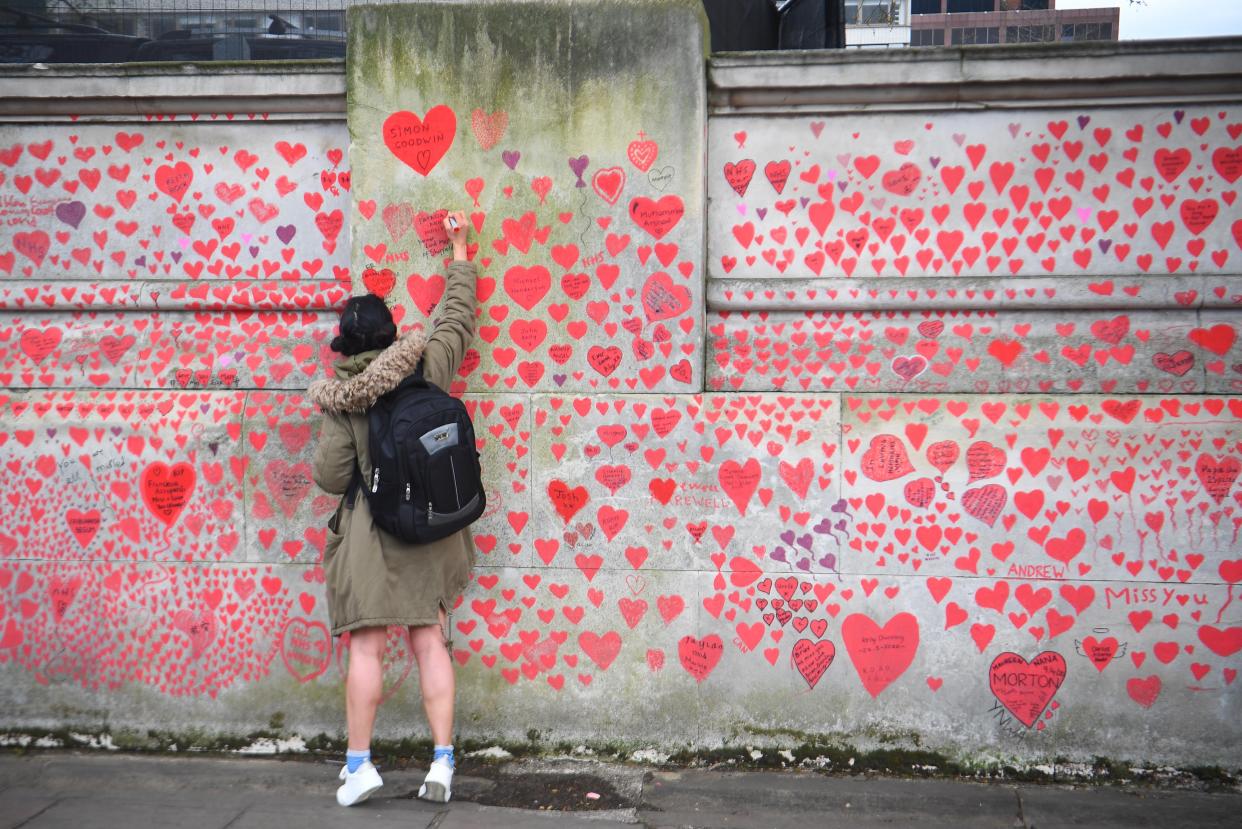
96, 790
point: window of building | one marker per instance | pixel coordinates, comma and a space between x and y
872, 12
1030, 34
877, 12
965, 6
927, 37
1087, 31
1024, 5
324, 22
971, 36
925, 7
198, 24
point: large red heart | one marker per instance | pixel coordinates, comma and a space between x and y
1026, 688
305, 648
880, 654
1217, 475
174, 180
662, 299
166, 489
421, 142
700, 656
602, 649
985, 502
886, 459
739, 481
657, 217
608, 183
812, 659
567, 501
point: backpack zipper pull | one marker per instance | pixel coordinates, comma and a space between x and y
429, 512
375, 480
407, 492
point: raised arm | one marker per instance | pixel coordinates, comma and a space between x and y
453, 325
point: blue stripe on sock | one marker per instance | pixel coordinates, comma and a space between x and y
355, 759
445, 753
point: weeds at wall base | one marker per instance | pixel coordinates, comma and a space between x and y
826, 754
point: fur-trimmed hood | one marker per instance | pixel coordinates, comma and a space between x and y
363, 378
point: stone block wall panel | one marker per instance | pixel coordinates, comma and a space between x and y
976, 352
1100, 192
586, 206
194, 196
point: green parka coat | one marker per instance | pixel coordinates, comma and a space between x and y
374, 579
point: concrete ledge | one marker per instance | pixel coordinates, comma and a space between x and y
975, 294
1095, 74
281, 88
172, 295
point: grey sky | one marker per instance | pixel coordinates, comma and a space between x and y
1170, 18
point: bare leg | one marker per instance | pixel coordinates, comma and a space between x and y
364, 686
436, 679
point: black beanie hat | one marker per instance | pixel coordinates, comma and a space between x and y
366, 325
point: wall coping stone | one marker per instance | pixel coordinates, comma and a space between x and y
283, 90
976, 77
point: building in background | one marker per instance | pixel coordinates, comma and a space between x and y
967, 22
877, 24
105, 31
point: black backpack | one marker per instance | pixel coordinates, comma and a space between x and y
425, 480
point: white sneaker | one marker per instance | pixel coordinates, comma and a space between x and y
359, 785
438, 786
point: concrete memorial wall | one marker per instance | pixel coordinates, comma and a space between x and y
823, 405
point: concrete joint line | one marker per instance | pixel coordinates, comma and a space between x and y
238, 816
36, 815
1021, 819
438, 819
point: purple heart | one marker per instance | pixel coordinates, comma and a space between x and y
824, 526
935, 161
804, 564
788, 537
510, 158
1105, 244
1178, 115
559, 379
828, 562
285, 233
805, 541
116, 430
1083, 120
140, 261
779, 555
254, 250
51, 433
762, 211
841, 186
805, 200
840, 505
578, 166
176, 256
71, 213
